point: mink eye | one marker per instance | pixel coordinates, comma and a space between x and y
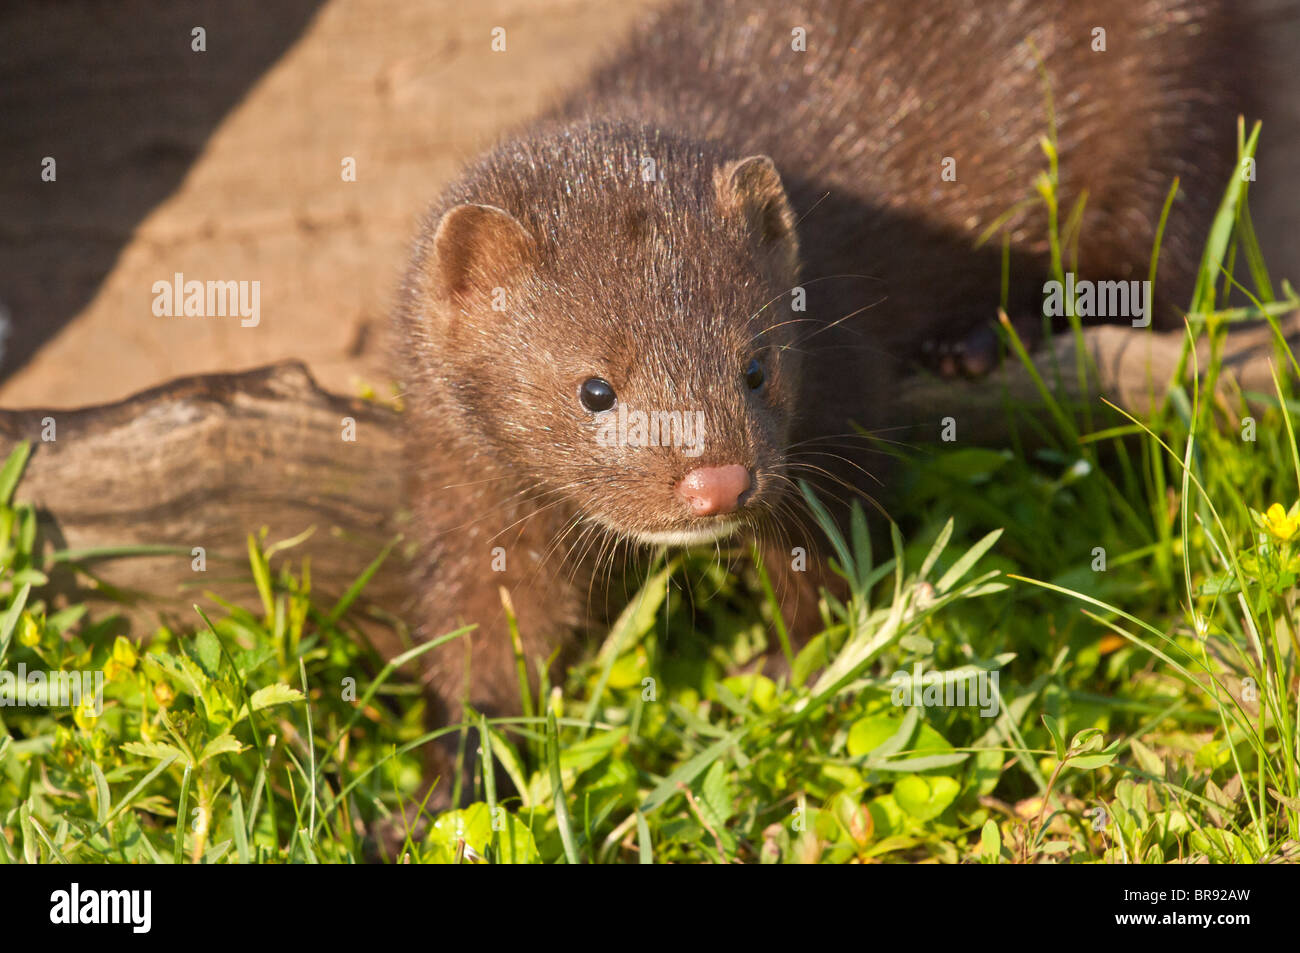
596, 395
754, 375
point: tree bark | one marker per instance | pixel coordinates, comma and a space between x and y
200, 462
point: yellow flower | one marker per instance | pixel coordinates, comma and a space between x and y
1280, 523
124, 652
163, 694
31, 632
87, 713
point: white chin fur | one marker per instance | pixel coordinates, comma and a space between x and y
688, 537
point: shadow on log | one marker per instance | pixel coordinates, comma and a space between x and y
202, 461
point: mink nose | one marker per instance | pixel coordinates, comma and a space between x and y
711, 490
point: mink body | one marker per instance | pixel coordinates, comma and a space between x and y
636, 234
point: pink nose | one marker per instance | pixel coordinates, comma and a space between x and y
711, 490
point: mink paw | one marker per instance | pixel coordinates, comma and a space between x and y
974, 355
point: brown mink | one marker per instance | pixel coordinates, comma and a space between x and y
743, 220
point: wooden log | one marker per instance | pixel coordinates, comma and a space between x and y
202, 461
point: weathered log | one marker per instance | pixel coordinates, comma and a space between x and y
202, 461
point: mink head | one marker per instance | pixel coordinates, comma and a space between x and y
607, 311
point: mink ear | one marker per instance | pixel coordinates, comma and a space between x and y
752, 189
475, 249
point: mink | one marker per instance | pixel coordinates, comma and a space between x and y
743, 219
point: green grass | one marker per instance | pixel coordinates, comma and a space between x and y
1146, 711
